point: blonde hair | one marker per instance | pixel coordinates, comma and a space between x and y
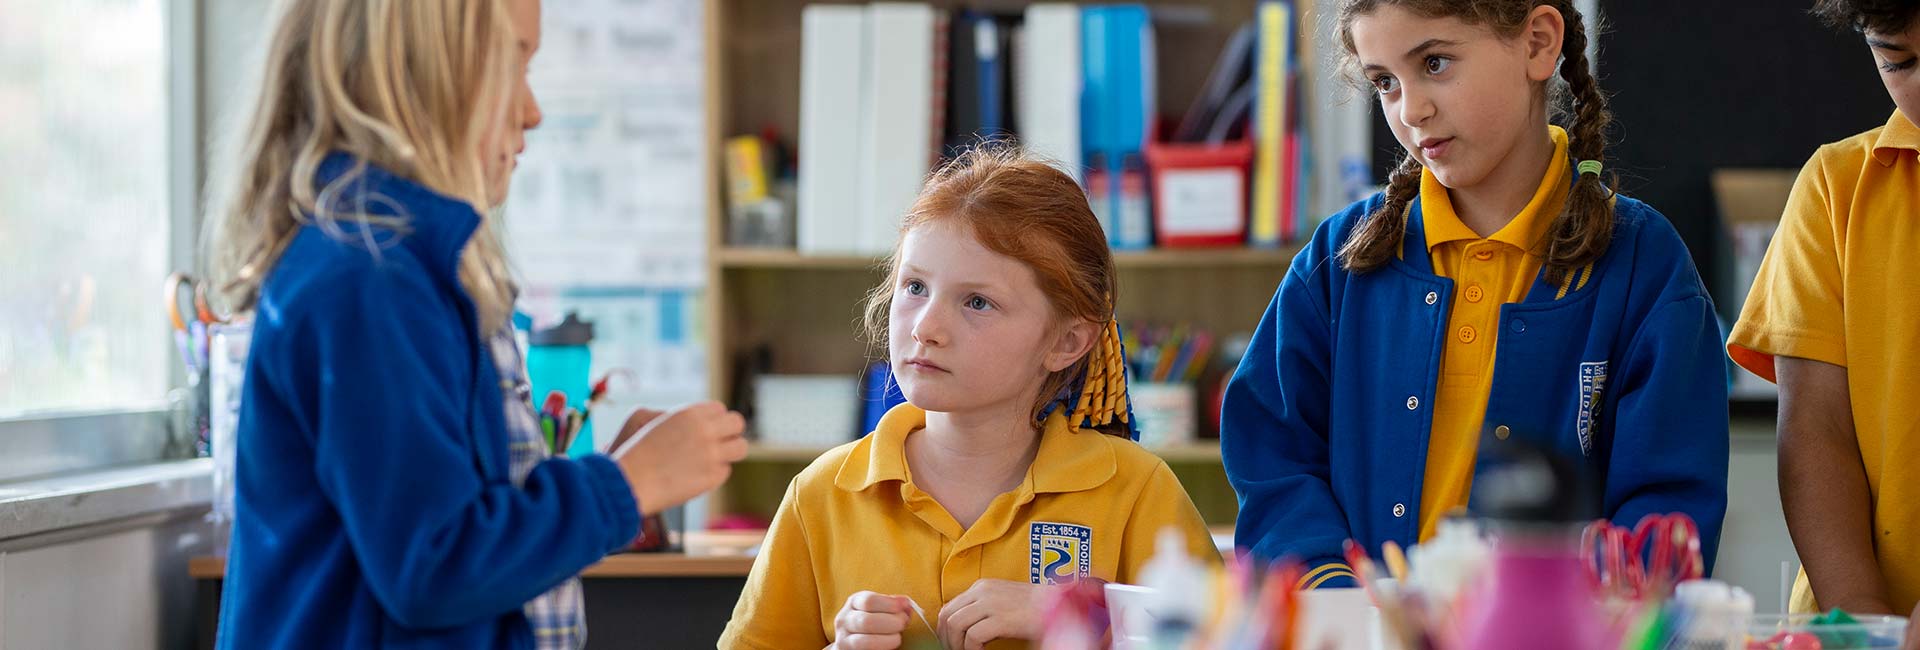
411, 86
1020, 206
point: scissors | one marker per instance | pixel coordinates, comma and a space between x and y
1646, 561
190, 324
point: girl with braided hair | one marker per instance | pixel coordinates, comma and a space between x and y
1010, 470
1499, 292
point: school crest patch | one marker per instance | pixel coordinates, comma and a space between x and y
1593, 384
1058, 553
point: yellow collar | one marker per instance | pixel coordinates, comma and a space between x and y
1898, 135
1526, 230
1069, 459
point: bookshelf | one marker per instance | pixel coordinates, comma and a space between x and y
805, 309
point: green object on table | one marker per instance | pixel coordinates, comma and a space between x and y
1838, 639
1650, 632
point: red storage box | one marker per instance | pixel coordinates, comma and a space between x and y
1199, 192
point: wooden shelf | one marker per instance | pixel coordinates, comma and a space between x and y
783, 454
786, 258
1202, 451
1197, 258
1206, 258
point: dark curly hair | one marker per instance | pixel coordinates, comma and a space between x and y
1878, 16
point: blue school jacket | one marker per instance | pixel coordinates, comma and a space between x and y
1325, 425
374, 508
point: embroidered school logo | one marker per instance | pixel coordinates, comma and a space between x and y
1593, 382
1058, 553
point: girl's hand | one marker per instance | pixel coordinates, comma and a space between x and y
989, 610
680, 455
639, 420
870, 621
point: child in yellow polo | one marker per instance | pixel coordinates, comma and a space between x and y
1834, 318
1010, 468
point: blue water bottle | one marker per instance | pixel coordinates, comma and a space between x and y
558, 358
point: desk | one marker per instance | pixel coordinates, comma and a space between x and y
655, 600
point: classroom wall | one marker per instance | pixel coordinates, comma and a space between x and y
1754, 541
1745, 84
231, 51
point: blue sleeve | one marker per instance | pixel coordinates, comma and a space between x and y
1671, 444
1273, 434
388, 379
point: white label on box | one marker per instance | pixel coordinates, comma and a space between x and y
1201, 201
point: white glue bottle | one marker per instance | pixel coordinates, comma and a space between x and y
1180, 586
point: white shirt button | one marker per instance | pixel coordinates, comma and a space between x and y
1399, 510
1413, 403
1432, 297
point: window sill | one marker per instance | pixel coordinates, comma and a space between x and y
56, 503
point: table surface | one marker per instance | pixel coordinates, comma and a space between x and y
706, 555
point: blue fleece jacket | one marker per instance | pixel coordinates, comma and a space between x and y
374, 508
1325, 426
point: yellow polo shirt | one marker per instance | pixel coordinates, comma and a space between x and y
1487, 273
853, 521
1837, 285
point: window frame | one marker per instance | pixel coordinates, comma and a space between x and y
61, 442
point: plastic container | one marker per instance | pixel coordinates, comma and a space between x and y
1166, 412
1181, 589
559, 359
1131, 610
1536, 593
226, 376
1867, 633
1719, 615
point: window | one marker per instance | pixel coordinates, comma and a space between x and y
85, 210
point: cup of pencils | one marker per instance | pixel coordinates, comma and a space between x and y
560, 424
560, 360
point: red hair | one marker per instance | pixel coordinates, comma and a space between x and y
1025, 209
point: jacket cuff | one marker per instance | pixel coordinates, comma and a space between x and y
623, 510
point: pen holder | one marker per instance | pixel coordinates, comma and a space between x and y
1166, 411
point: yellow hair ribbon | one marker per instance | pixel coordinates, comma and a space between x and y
1103, 396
